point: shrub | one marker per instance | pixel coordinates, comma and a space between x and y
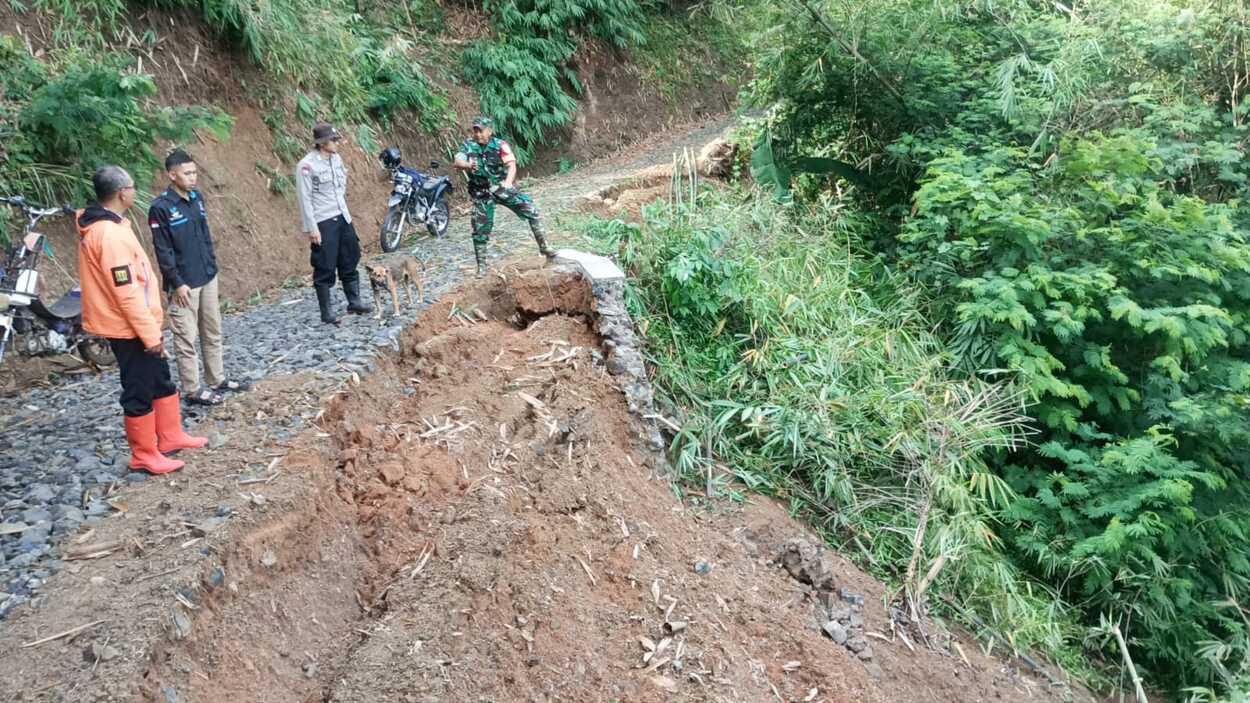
523, 75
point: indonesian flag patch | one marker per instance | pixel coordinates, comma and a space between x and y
121, 276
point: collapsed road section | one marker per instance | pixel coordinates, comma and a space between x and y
481, 518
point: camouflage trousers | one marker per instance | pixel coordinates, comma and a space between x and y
516, 201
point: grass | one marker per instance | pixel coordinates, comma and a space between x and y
808, 374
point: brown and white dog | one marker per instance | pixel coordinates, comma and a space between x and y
383, 278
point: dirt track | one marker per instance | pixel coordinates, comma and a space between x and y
474, 520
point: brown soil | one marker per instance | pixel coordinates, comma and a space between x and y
472, 521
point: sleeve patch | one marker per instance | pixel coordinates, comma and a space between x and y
121, 276
305, 169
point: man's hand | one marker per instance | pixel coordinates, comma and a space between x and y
465, 164
182, 295
157, 351
506, 184
314, 237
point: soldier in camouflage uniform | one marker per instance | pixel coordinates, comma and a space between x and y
491, 167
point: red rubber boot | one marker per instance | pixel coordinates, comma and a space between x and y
141, 434
170, 437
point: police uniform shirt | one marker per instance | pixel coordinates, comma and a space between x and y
180, 236
321, 185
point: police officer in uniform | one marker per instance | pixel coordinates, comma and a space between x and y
321, 182
491, 166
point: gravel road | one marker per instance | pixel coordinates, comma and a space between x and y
62, 448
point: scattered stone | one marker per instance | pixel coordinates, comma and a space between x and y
216, 440
216, 577
803, 560
836, 631
208, 526
854, 599
702, 568
268, 559
181, 625
99, 652
857, 644
169, 694
310, 670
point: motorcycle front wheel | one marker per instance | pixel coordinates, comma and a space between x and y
393, 226
97, 351
438, 219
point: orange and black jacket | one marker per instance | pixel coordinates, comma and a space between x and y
120, 295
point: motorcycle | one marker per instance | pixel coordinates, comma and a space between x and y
416, 198
41, 329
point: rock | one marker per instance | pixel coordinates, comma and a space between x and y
803, 560
36, 535
856, 600
32, 516
857, 644
702, 568
836, 631
215, 578
207, 527
216, 440
310, 670
64, 510
40, 493
865, 654
392, 472
181, 625
99, 652
169, 694
268, 559
839, 612
97, 508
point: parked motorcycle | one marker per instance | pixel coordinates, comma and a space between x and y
37, 328
416, 199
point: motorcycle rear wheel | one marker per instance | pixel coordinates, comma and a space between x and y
393, 226
97, 351
438, 219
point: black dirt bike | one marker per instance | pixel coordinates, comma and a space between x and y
37, 328
416, 199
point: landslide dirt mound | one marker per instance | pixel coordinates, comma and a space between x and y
479, 520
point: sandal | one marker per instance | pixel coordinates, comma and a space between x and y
233, 386
205, 397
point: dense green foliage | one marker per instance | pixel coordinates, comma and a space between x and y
810, 374
523, 74
1065, 186
58, 128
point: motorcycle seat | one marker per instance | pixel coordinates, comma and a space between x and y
433, 183
69, 306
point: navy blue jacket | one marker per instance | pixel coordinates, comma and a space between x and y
184, 247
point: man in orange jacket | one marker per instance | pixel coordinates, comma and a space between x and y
121, 301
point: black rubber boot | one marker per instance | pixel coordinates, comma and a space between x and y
351, 289
323, 302
479, 252
540, 236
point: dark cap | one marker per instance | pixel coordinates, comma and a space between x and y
484, 122
323, 133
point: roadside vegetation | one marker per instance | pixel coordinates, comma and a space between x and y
993, 201
81, 95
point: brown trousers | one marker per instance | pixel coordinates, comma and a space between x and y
201, 320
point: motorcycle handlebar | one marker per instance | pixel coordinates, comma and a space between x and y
20, 203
